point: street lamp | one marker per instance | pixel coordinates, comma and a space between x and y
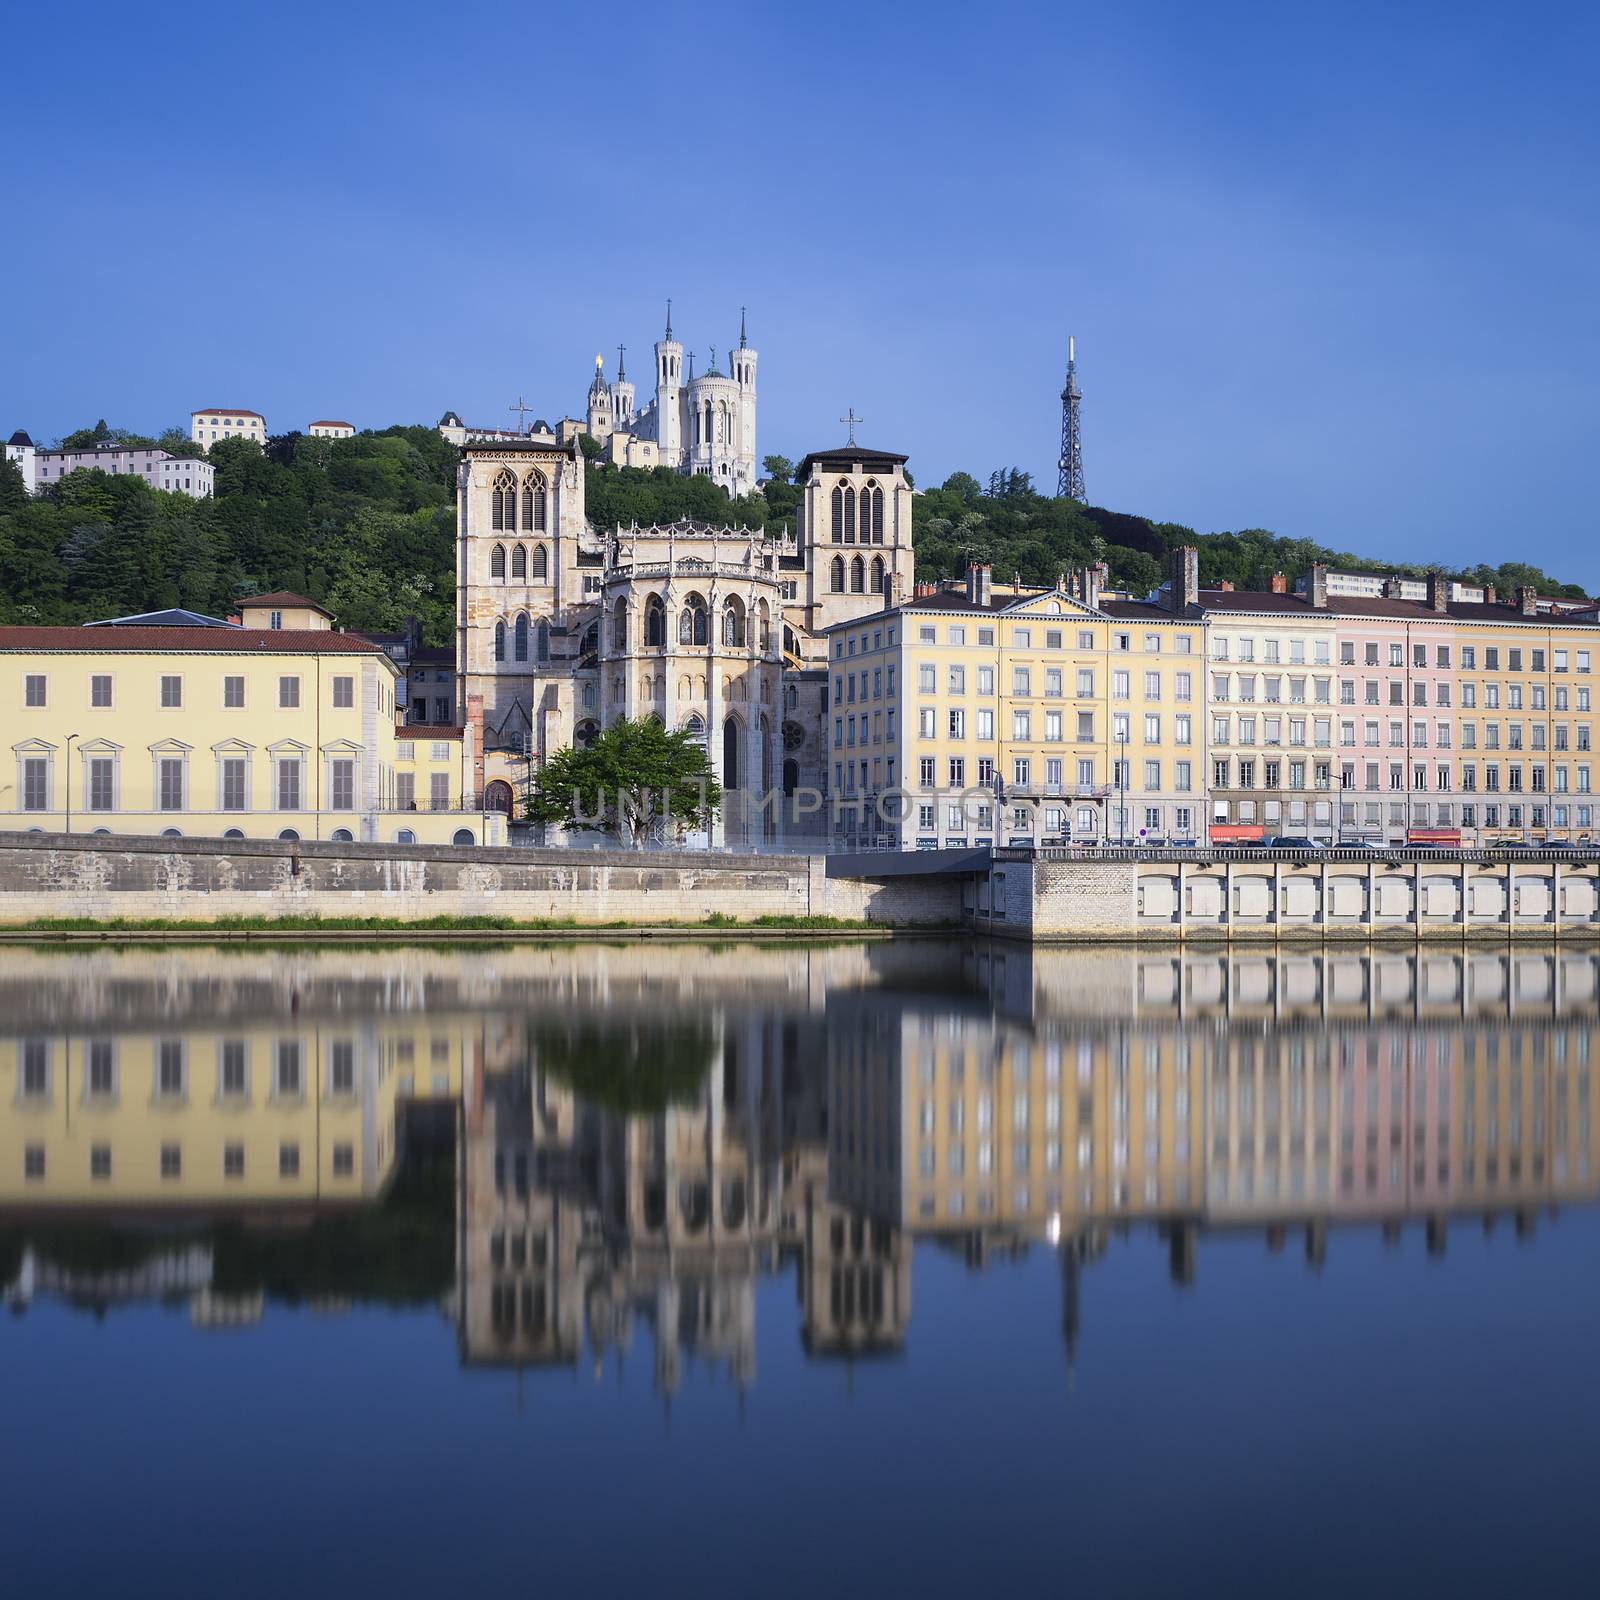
68, 775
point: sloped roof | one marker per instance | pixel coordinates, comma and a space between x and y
282, 598
172, 617
850, 453
192, 640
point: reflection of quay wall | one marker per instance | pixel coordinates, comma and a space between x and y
957, 1124
1293, 985
281, 1112
129, 985
56, 875
1037, 896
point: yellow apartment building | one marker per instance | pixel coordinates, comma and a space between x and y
978, 714
237, 732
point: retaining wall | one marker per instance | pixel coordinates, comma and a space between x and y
74, 875
1300, 897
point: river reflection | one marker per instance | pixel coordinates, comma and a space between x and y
568, 1149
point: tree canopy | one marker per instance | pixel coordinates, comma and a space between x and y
366, 526
635, 780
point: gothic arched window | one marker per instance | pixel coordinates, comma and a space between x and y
872, 514
504, 503
879, 586
522, 639
544, 640
730, 754
541, 563
849, 516
733, 622
655, 623
858, 576
519, 562
533, 502
838, 516
619, 624
499, 641
497, 561
837, 584
692, 621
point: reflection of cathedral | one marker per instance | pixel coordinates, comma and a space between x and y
836, 1107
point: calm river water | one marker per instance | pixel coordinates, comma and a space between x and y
843, 1269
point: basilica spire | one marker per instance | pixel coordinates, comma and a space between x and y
669, 320
743, 342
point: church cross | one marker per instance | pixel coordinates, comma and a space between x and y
523, 413
853, 420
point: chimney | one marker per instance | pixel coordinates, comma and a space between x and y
1489, 596
1280, 584
980, 583
1091, 587
891, 591
1438, 591
1183, 589
1317, 589
1226, 585
1527, 600
1394, 588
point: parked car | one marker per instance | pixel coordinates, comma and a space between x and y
1291, 841
1370, 846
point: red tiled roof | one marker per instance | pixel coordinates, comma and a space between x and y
227, 411
425, 730
329, 422
189, 641
280, 598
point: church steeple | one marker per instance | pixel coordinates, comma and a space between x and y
669, 322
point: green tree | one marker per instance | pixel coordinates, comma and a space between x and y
636, 781
780, 468
636, 1065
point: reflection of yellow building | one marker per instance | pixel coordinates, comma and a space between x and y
245, 732
259, 1114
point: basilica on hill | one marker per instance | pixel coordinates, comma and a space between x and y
703, 424
563, 628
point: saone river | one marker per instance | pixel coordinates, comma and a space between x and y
910, 1267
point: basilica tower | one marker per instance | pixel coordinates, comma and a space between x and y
669, 383
743, 367
599, 402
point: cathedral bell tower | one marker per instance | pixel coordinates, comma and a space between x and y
669, 386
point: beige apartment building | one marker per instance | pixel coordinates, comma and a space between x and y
980, 714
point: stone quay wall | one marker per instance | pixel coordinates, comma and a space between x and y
46, 875
1292, 897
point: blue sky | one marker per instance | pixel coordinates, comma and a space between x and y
1332, 270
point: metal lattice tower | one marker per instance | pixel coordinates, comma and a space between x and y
1070, 482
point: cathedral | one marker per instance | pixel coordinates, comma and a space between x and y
704, 424
563, 628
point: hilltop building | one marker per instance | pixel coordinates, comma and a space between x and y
159, 468
211, 423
